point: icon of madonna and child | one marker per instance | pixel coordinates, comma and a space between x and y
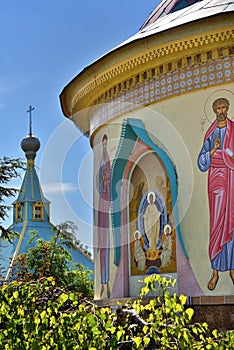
153, 246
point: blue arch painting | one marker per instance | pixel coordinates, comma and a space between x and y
133, 129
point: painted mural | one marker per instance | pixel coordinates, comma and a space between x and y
217, 157
152, 233
104, 217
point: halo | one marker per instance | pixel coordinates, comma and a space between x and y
137, 232
148, 196
167, 226
208, 110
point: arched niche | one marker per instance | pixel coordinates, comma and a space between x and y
150, 249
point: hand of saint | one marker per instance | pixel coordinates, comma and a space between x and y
217, 142
216, 145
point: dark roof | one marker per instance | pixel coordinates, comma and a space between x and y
165, 7
161, 20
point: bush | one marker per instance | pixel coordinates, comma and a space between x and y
40, 316
52, 259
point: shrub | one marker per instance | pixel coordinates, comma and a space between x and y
40, 316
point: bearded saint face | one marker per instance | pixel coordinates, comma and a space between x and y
220, 107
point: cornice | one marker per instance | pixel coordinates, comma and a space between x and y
153, 62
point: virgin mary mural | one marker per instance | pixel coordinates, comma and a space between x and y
151, 221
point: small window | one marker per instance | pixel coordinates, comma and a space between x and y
179, 63
209, 55
19, 212
189, 60
220, 52
38, 211
231, 50
198, 58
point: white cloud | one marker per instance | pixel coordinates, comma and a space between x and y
58, 187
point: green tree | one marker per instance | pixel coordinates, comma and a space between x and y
79, 280
68, 230
9, 169
52, 259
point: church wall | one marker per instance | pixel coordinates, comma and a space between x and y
168, 82
178, 126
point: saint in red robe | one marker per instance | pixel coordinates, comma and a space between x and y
220, 194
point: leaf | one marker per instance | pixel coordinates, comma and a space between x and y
146, 341
72, 296
119, 334
16, 294
52, 320
145, 329
43, 315
185, 336
21, 311
183, 299
190, 313
138, 341
63, 298
37, 320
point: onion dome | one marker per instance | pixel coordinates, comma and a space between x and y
30, 145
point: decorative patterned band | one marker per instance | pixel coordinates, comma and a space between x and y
198, 76
155, 62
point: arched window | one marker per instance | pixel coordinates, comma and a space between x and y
38, 211
18, 212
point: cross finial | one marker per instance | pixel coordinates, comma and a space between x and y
30, 119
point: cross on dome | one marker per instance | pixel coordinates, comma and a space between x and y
30, 144
30, 109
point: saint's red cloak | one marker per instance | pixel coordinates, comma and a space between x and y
221, 192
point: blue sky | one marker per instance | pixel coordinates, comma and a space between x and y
45, 44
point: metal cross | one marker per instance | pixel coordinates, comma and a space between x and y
30, 119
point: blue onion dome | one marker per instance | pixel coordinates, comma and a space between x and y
30, 145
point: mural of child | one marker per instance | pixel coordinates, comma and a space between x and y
139, 254
167, 247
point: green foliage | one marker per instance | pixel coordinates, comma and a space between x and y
48, 258
68, 230
9, 169
42, 316
78, 279
52, 259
